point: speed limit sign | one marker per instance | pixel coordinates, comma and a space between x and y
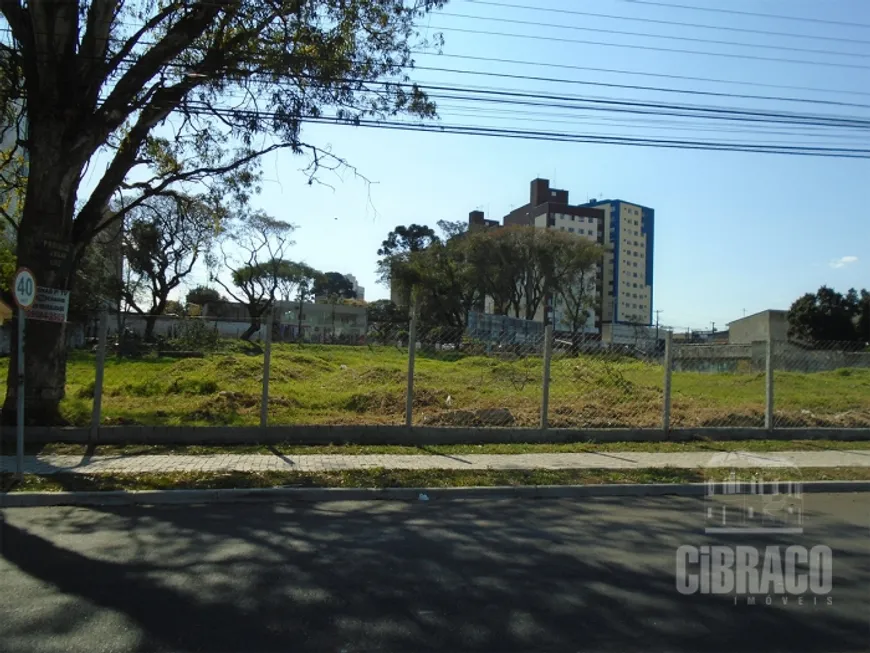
24, 288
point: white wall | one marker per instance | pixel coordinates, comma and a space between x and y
166, 326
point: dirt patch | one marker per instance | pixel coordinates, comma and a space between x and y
120, 421
481, 417
846, 419
384, 402
219, 408
604, 415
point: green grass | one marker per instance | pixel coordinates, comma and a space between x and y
315, 384
451, 449
382, 478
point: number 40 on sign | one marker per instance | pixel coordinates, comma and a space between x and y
24, 288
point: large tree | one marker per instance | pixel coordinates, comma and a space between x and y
395, 252
253, 252
334, 284
448, 283
163, 239
576, 278
517, 267
201, 295
825, 315
335, 288
192, 90
863, 324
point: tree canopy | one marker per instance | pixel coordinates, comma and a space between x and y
832, 316
163, 239
518, 269
158, 95
334, 285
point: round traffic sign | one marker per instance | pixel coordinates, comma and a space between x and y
24, 288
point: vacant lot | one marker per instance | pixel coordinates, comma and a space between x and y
314, 384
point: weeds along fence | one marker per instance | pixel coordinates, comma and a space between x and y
489, 375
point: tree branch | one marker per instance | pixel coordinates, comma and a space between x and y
180, 36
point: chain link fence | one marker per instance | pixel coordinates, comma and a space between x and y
488, 373
481, 377
341, 379
718, 385
821, 384
595, 385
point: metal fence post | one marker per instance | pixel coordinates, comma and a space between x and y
548, 355
768, 378
412, 352
19, 432
102, 337
267, 362
669, 364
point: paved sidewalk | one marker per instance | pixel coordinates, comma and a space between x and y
319, 463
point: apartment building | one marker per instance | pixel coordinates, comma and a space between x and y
629, 231
550, 208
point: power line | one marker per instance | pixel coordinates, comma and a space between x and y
690, 110
728, 55
583, 103
636, 87
748, 13
738, 113
724, 28
514, 21
578, 138
492, 113
618, 104
617, 71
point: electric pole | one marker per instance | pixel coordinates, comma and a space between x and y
657, 323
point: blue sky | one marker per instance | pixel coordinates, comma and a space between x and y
735, 232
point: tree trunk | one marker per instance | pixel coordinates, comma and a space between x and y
150, 322
48, 215
252, 328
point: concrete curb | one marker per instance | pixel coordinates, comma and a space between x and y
168, 497
416, 435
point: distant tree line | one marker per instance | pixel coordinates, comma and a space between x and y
518, 270
829, 315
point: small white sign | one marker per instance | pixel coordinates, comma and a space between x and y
51, 305
24, 288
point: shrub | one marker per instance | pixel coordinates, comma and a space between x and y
196, 335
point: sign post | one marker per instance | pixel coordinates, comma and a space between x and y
25, 294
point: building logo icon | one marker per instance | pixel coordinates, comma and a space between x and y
752, 502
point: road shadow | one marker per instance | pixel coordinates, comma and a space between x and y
505, 575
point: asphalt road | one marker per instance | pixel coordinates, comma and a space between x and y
512, 575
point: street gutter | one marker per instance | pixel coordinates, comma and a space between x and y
186, 497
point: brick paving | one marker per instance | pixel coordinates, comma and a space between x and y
53, 464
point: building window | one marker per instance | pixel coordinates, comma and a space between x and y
571, 229
635, 274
